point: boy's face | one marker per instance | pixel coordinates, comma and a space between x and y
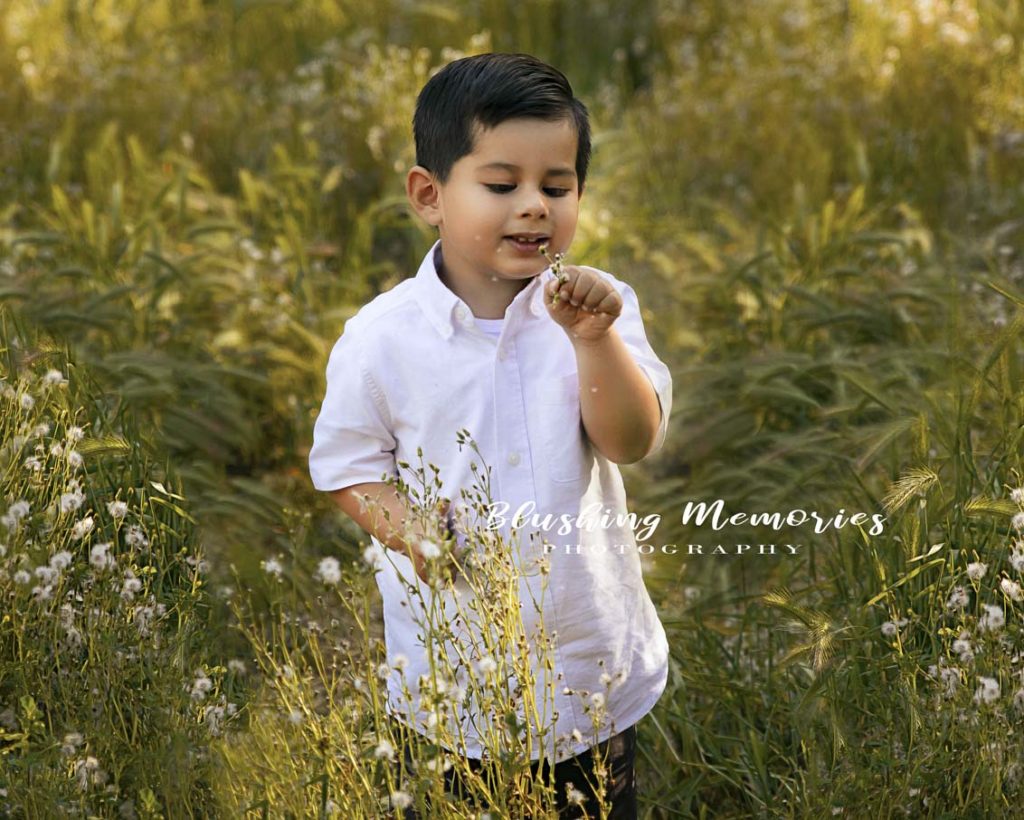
519, 181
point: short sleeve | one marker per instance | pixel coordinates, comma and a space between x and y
352, 439
630, 326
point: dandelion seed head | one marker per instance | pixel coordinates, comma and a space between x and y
374, 556
1017, 522
992, 619
429, 549
384, 750
1011, 589
272, 566
329, 571
976, 571
1017, 495
987, 691
958, 599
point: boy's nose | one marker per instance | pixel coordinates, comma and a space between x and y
533, 204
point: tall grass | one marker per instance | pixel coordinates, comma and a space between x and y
820, 207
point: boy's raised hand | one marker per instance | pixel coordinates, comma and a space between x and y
583, 302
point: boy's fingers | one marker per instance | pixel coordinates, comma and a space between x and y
581, 288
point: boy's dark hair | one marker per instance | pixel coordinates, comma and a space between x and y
486, 90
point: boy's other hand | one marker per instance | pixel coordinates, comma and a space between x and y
584, 303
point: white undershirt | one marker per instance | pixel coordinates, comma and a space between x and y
492, 327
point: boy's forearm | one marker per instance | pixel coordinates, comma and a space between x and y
383, 515
622, 415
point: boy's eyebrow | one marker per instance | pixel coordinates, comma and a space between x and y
508, 166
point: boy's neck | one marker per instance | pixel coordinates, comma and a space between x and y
488, 299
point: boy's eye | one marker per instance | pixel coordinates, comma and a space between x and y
504, 189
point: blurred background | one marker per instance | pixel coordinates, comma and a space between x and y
818, 203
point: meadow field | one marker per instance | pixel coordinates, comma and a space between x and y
821, 208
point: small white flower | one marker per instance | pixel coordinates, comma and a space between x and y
384, 750
69, 502
976, 571
1018, 521
27, 402
136, 537
958, 598
988, 691
73, 457
88, 772
48, 575
400, 661
295, 717
100, 557
272, 566
72, 740
963, 647
992, 619
1017, 559
22, 577
574, 795
117, 509
131, 586
329, 571
61, 560
33, 464
429, 550
237, 666
82, 528
1011, 589
400, 799
597, 699
1017, 495
889, 629
374, 555
42, 593
201, 687
75, 434
54, 377
486, 665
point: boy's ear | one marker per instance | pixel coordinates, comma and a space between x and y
423, 192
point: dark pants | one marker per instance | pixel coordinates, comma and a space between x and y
619, 754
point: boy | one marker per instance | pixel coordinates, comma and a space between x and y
553, 378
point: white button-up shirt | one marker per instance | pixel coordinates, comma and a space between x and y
410, 370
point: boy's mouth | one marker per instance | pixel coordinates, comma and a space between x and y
526, 243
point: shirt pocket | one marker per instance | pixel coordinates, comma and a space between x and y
566, 452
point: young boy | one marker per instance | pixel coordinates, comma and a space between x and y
554, 380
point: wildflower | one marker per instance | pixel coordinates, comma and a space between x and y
295, 717
486, 665
962, 646
201, 687
950, 677
988, 691
33, 463
383, 670
22, 577
42, 594
72, 740
17, 511
429, 550
576, 735
400, 661
1017, 558
130, 587
48, 575
992, 620
574, 795
606, 679
237, 666
374, 555
136, 537
1017, 495
74, 459
958, 598
329, 571
1018, 521
976, 571
75, 434
71, 501
88, 772
99, 557
82, 528
54, 377
384, 750
272, 566
60, 560
56, 449
889, 629
117, 509
1011, 589
27, 402
400, 799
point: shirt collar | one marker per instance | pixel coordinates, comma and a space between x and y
444, 309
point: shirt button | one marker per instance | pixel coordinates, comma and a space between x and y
460, 312
513, 459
